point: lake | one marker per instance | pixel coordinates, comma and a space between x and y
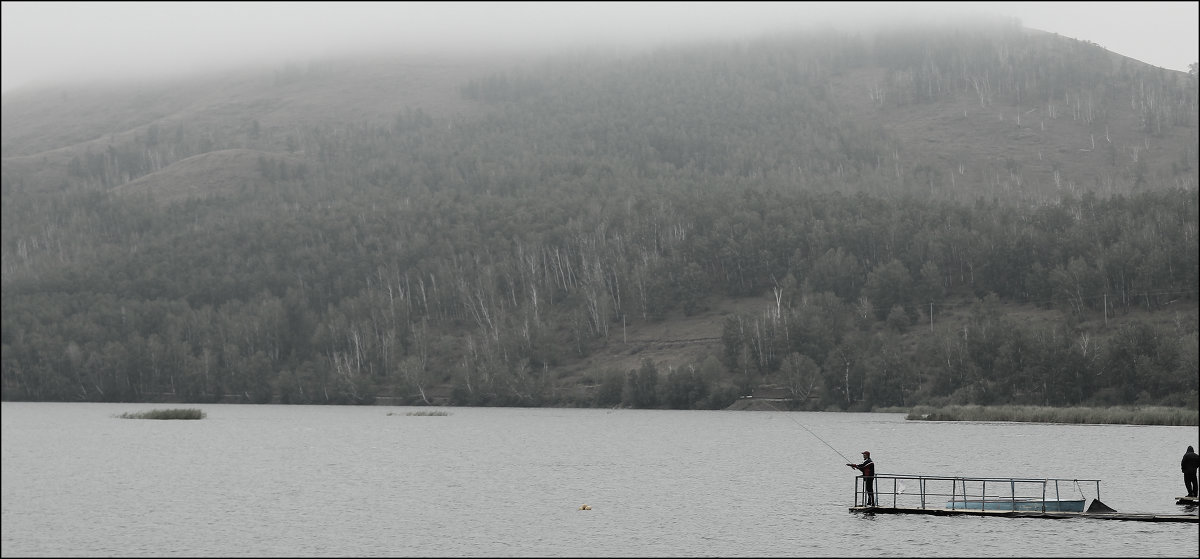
275, 480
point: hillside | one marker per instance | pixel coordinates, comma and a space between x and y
919, 216
1097, 135
45, 130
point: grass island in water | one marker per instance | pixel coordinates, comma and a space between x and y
189, 413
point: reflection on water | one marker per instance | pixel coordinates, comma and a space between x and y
311, 480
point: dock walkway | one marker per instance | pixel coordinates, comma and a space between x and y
1193, 518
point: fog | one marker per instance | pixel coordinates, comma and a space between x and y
47, 43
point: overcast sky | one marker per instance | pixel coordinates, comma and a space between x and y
51, 42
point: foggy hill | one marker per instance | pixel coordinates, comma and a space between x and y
1013, 105
568, 230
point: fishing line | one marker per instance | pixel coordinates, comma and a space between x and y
810, 432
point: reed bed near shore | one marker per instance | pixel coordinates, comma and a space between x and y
177, 413
1141, 415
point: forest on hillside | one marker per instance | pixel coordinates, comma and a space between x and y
478, 256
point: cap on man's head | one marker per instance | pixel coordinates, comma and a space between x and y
866, 453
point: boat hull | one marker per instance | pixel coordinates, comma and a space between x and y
1023, 505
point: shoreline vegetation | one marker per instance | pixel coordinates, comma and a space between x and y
1127, 415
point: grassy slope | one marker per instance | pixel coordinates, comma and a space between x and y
682, 340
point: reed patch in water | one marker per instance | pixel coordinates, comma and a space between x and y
177, 413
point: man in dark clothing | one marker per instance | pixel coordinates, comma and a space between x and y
1189, 465
867, 467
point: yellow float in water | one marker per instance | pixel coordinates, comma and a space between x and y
585, 507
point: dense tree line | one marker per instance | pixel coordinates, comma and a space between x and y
484, 254
362, 299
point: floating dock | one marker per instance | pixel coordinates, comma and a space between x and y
1193, 518
997, 497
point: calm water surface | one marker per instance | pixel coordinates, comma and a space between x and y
372, 481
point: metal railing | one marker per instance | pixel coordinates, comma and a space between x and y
977, 493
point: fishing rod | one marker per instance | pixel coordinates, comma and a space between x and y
868, 482
811, 433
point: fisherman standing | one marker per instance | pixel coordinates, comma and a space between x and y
1189, 465
867, 467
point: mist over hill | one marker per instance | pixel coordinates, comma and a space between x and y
919, 215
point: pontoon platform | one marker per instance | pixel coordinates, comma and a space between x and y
991, 496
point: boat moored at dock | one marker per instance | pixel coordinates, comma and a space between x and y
1023, 504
